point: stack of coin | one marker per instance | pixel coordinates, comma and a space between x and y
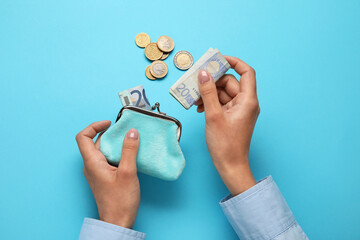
155, 51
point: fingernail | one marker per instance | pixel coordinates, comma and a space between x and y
133, 134
203, 77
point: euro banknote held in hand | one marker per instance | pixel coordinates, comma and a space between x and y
186, 89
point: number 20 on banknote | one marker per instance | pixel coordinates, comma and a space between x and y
185, 93
135, 96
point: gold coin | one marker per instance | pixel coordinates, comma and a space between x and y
152, 52
148, 73
158, 69
142, 40
165, 43
164, 56
183, 60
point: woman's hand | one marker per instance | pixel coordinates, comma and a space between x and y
231, 110
116, 190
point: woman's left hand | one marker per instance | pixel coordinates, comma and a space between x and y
116, 189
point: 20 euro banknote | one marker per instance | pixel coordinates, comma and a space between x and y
186, 89
135, 96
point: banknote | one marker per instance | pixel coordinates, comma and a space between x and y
186, 89
135, 96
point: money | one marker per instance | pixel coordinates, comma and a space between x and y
186, 89
165, 43
152, 52
164, 56
158, 69
148, 73
135, 97
142, 40
156, 51
183, 60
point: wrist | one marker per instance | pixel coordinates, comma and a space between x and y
236, 175
125, 222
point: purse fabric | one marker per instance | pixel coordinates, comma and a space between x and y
159, 153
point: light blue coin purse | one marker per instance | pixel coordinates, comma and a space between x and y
159, 153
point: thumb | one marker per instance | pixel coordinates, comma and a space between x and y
129, 152
209, 94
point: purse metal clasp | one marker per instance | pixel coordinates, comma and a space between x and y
153, 114
157, 106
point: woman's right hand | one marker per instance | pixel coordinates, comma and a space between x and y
231, 110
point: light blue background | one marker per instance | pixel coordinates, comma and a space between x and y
63, 62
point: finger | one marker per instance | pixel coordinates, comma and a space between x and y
129, 151
224, 98
198, 102
209, 95
85, 138
247, 73
230, 84
97, 142
200, 108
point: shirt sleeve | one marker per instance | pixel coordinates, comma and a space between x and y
93, 229
261, 212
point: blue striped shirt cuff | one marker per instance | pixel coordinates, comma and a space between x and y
261, 212
93, 229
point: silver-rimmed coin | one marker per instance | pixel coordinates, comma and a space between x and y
183, 60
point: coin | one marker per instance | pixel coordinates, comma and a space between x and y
183, 60
165, 43
148, 73
158, 69
152, 52
164, 56
142, 40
